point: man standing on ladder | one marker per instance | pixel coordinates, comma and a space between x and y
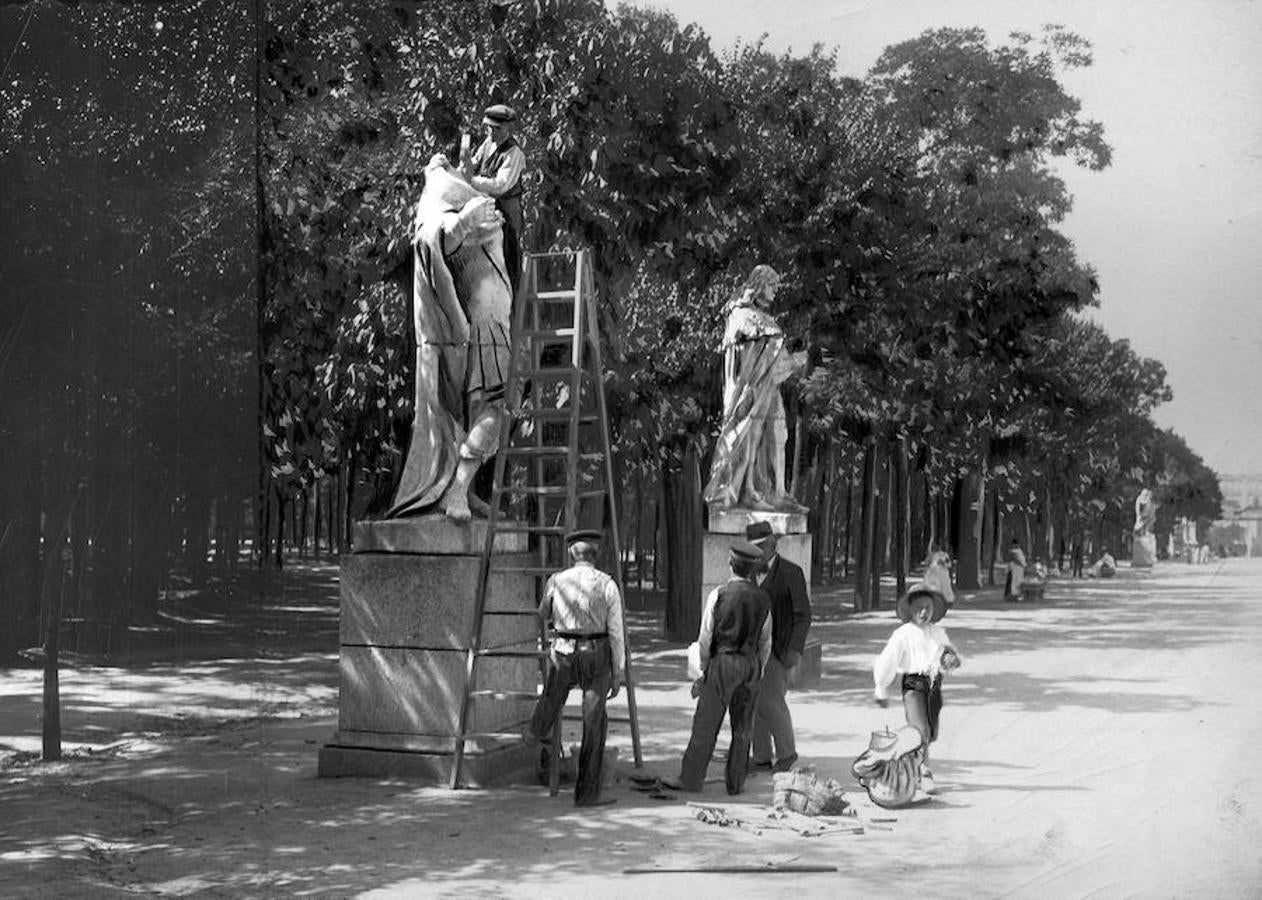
587, 650
495, 169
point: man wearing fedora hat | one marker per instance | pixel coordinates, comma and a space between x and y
735, 642
495, 169
918, 654
588, 651
785, 584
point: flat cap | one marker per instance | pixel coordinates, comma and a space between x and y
756, 531
746, 550
588, 535
499, 114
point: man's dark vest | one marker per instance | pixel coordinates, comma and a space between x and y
739, 614
491, 165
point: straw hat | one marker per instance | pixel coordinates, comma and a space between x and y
903, 607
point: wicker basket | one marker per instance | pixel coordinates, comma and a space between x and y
804, 793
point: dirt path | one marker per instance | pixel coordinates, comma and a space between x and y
1093, 746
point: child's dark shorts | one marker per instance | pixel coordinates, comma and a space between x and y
924, 706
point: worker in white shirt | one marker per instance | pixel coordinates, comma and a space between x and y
588, 651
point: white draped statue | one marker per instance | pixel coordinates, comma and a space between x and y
749, 459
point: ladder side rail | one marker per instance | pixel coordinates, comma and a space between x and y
543, 539
598, 365
576, 393
484, 562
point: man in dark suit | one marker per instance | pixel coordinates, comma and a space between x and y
785, 583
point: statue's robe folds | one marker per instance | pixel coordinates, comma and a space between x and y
755, 365
462, 308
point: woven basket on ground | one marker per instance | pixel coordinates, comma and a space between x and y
804, 793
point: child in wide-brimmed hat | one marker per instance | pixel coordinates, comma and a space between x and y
920, 652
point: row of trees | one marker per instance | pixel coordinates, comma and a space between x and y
201, 168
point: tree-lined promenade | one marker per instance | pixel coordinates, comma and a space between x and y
1097, 746
205, 342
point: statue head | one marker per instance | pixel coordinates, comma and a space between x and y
762, 284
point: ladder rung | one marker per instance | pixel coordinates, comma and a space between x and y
513, 654
505, 695
555, 296
567, 332
555, 414
578, 717
526, 570
513, 612
549, 491
551, 451
502, 735
517, 528
554, 372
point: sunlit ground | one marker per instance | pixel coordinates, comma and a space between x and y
1092, 745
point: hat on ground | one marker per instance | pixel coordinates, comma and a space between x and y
587, 535
756, 531
903, 608
499, 114
746, 551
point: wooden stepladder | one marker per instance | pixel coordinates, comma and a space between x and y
553, 473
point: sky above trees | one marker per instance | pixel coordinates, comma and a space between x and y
1173, 226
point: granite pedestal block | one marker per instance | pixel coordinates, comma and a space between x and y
407, 617
1144, 551
727, 525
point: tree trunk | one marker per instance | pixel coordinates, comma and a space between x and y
902, 514
847, 533
863, 597
826, 498
57, 564
683, 515
972, 497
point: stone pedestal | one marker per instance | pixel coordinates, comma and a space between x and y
1144, 551
727, 525
407, 613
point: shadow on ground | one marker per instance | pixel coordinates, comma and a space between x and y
197, 777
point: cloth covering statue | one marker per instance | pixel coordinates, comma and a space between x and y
749, 459
462, 307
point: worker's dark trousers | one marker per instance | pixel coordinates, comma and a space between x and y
590, 667
730, 687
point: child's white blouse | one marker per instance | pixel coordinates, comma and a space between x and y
910, 649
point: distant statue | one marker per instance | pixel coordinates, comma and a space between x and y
749, 459
1144, 546
938, 575
1145, 512
462, 317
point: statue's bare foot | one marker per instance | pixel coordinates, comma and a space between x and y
789, 505
759, 504
456, 506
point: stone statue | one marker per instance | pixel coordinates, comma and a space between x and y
461, 313
1144, 546
749, 459
1145, 513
